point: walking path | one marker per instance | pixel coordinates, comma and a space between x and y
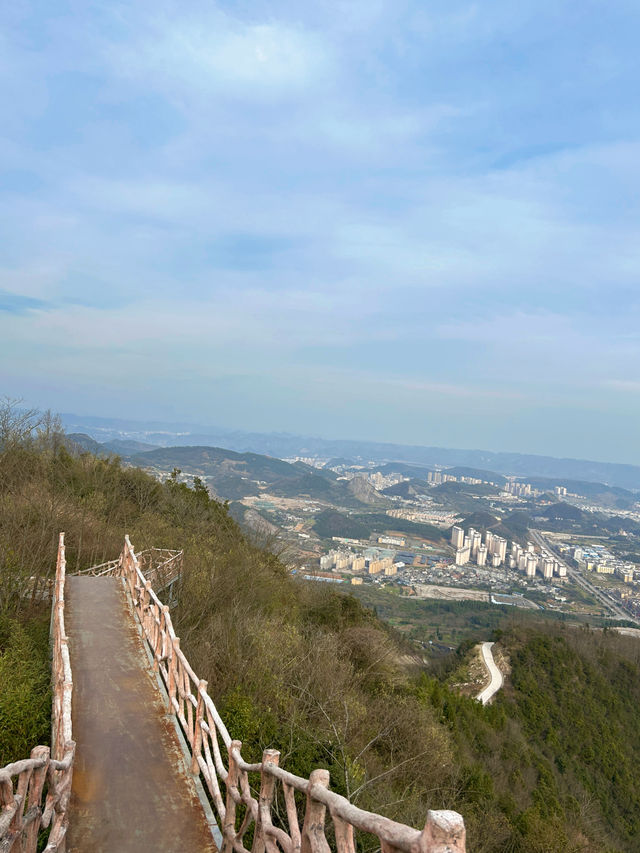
496, 676
131, 791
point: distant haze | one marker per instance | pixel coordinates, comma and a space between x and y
134, 438
401, 221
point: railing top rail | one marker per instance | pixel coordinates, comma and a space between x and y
107, 563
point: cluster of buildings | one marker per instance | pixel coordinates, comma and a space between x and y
525, 490
439, 477
391, 540
596, 558
530, 562
518, 490
312, 461
384, 481
469, 546
493, 552
344, 561
437, 516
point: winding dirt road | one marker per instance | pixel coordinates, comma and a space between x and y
496, 676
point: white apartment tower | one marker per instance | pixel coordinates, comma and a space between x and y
489, 542
531, 562
462, 555
457, 537
476, 541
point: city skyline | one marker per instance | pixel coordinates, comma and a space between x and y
366, 220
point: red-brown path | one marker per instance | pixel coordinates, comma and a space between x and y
131, 791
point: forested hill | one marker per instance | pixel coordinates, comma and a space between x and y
550, 767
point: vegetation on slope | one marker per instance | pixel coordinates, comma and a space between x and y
299, 667
25, 699
330, 523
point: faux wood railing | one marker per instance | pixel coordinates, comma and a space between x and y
34, 792
160, 566
229, 782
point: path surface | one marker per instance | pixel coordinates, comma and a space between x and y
131, 792
496, 676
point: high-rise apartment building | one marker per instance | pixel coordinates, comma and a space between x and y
462, 555
500, 547
476, 541
488, 541
457, 537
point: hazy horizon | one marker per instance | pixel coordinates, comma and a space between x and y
133, 425
372, 220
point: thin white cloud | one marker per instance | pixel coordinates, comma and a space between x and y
214, 52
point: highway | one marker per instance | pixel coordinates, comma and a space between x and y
496, 676
612, 606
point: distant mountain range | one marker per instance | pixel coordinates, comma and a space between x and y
233, 475
282, 445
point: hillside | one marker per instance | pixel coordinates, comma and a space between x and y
407, 489
379, 522
363, 491
330, 523
476, 473
550, 767
211, 461
127, 446
562, 516
80, 441
513, 527
233, 476
456, 490
606, 495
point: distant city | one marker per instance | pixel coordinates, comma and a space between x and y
454, 532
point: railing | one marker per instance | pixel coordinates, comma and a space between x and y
109, 568
22, 784
229, 784
161, 566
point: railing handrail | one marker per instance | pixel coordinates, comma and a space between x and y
202, 725
22, 812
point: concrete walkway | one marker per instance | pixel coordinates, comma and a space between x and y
496, 676
131, 792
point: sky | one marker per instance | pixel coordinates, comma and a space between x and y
391, 220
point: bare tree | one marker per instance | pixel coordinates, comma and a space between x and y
16, 423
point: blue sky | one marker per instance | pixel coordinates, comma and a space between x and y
405, 221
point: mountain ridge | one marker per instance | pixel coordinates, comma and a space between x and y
287, 445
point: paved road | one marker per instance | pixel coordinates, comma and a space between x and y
614, 609
496, 676
131, 792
